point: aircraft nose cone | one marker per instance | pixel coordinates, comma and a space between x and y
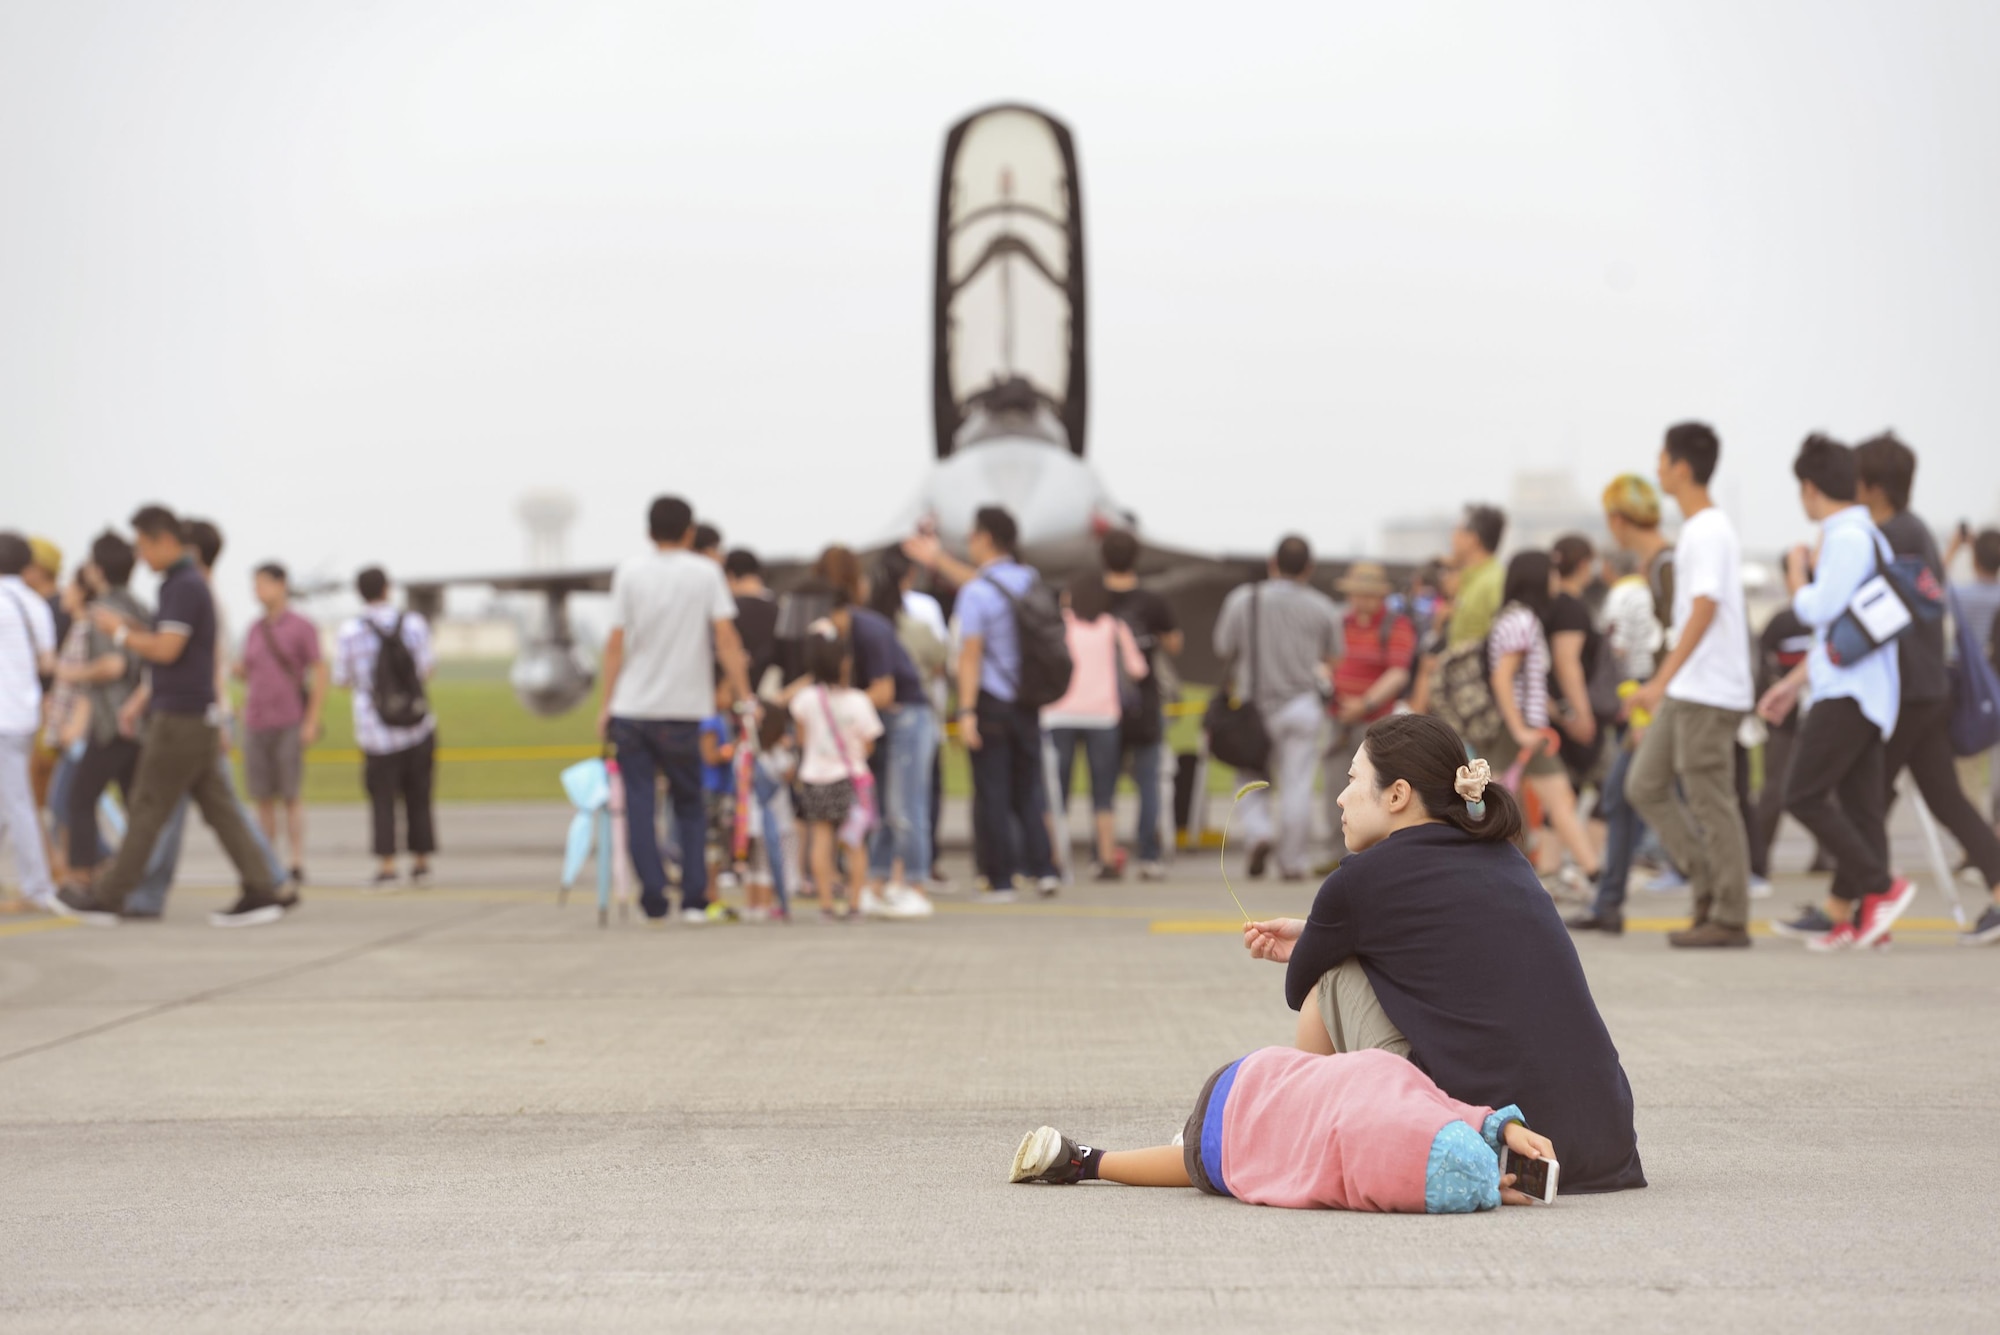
1052, 494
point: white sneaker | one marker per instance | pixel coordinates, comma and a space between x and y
1668, 882
1152, 871
1760, 887
871, 905
1048, 886
905, 902
693, 916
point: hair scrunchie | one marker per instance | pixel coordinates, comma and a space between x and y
1472, 781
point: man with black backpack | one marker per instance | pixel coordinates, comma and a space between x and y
1922, 740
1013, 659
1143, 736
385, 656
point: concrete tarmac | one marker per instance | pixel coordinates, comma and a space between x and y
467, 1109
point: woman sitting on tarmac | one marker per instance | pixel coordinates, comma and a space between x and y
1435, 940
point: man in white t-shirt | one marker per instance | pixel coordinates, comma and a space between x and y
27, 651
672, 620
1683, 777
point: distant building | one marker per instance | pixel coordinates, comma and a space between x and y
1541, 507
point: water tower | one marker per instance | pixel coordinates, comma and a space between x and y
547, 513
552, 674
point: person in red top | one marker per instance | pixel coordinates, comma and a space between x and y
1379, 651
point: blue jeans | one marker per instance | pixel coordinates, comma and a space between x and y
1623, 830
1100, 749
1007, 793
769, 793
150, 895
1146, 774
648, 748
904, 832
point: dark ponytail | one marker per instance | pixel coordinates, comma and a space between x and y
1425, 753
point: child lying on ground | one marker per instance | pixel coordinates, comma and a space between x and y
1354, 1131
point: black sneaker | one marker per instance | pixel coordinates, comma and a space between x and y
1986, 931
420, 878
253, 908
1812, 922
82, 904
1108, 871
1260, 857
287, 896
298, 876
1595, 922
1047, 1155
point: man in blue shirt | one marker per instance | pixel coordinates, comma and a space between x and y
1838, 786
1003, 736
182, 741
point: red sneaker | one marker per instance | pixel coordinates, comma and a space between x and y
1879, 912
1842, 937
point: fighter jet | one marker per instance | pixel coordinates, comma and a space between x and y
1010, 392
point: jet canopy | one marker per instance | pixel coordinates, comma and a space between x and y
1009, 354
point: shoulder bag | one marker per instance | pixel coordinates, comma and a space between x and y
1463, 695
861, 816
285, 664
1236, 734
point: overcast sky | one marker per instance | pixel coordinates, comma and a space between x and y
352, 277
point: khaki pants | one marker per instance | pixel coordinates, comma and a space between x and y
1353, 1015
178, 758
1701, 824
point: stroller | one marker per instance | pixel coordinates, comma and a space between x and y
595, 790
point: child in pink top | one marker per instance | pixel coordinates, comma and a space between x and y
1353, 1131
837, 728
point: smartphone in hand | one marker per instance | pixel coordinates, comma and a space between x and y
1533, 1178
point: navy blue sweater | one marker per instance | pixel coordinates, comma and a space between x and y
1472, 963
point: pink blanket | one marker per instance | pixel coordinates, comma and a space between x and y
1347, 1132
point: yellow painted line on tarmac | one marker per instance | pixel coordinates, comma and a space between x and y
463, 754
29, 925
1232, 926
1032, 910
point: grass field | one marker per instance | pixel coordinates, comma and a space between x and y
477, 712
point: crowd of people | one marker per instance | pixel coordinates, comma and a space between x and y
98, 690
1622, 696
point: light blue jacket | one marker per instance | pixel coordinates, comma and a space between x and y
1851, 550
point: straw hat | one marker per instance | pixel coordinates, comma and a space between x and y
1364, 577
